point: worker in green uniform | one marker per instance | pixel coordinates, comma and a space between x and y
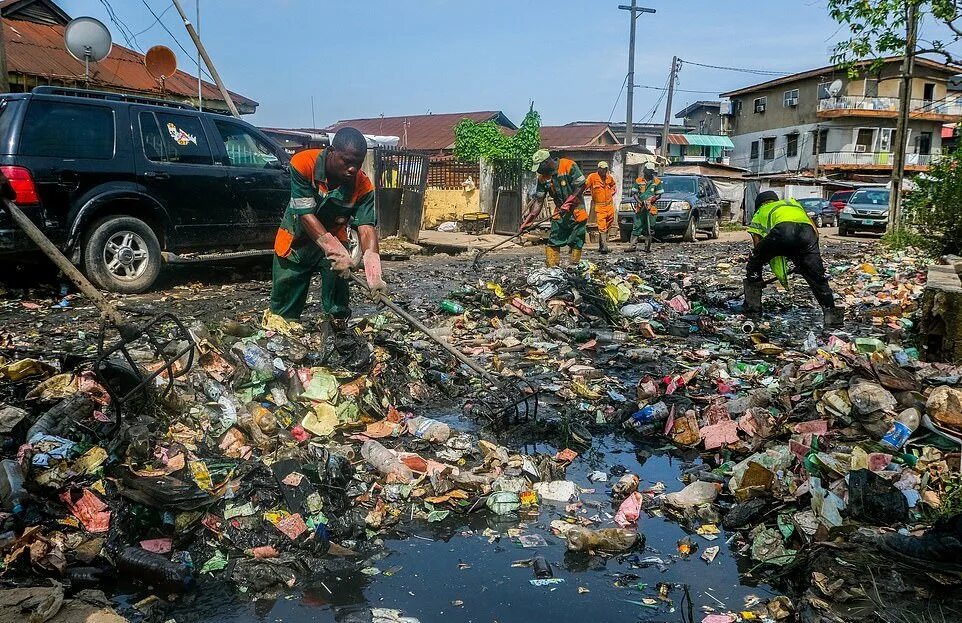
562, 179
646, 190
329, 192
780, 230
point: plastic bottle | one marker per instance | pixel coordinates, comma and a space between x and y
11, 486
606, 540
902, 428
428, 429
451, 307
625, 486
86, 577
648, 419
256, 358
542, 570
78, 406
611, 337
385, 462
153, 569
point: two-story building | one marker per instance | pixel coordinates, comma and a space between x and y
824, 122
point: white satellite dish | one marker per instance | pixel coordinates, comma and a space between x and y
835, 88
87, 40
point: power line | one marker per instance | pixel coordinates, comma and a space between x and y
759, 72
644, 86
124, 29
156, 21
172, 36
618, 99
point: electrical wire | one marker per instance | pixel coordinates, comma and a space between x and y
172, 36
618, 99
124, 29
645, 86
156, 21
758, 72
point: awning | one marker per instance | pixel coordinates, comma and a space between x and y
701, 140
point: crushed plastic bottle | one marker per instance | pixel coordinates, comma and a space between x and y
385, 462
606, 540
429, 429
256, 358
648, 419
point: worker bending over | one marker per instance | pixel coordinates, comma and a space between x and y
602, 187
564, 182
329, 192
782, 229
646, 190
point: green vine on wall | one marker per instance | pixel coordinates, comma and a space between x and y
474, 140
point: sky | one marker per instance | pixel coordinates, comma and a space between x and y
397, 57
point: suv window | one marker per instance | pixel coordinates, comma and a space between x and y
876, 197
175, 139
71, 131
8, 112
244, 148
679, 184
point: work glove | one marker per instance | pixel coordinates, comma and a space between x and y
372, 270
335, 252
571, 202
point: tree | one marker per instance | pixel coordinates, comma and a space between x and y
935, 205
473, 140
880, 28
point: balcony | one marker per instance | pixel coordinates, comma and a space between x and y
861, 160
888, 108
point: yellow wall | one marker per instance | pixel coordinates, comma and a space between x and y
448, 205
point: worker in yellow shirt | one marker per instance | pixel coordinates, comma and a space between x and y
602, 187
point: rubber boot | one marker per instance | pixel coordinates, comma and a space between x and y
552, 256
832, 317
602, 246
575, 256
753, 298
633, 244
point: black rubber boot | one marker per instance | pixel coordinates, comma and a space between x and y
832, 317
633, 244
753, 298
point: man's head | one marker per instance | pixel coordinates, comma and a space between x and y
542, 163
345, 155
603, 169
766, 197
648, 172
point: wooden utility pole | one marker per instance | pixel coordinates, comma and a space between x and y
4, 76
902, 126
671, 93
210, 64
635, 12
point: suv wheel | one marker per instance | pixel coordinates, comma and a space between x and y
715, 229
122, 254
689, 235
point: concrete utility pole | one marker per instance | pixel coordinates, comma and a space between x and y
635, 12
671, 93
210, 64
902, 127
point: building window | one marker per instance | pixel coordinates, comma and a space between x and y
871, 87
769, 148
790, 100
754, 153
761, 103
823, 92
791, 145
864, 140
820, 142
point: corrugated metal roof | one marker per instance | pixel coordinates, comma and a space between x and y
422, 132
701, 140
576, 134
38, 50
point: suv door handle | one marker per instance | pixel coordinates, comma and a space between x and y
68, 179
244, 179
157, 175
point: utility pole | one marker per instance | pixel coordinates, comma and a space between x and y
901, 128
200, 82
671, 93
4, 76
210, 64
635, 12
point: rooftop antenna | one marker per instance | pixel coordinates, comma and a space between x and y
161, 63
87, 39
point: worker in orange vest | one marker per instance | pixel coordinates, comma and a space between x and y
602, 187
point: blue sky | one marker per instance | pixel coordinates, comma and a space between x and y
395, 57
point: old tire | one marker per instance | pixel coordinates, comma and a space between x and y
689, 235
122, 254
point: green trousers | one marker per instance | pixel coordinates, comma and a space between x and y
644, 222
291, 281
566, 232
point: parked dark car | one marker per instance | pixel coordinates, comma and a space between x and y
115, 181
839, 199
867, 210
691, 204
821, 211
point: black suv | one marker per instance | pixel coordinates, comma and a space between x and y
690, 204
116, 180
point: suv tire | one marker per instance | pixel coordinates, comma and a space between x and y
122, 254
689, 235
715, 229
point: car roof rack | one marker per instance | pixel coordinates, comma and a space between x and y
108, 95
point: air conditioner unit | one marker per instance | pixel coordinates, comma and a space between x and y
759, 107
792, 102
861, 149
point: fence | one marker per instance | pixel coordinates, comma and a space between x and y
449, 174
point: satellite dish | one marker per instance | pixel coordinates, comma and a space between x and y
835, 88
160, 62
87, 39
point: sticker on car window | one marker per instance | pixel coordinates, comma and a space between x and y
180, 137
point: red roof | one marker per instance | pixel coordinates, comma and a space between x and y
424, 132
572, 135
38, 50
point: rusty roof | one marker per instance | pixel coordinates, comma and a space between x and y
576, 134
38, 50
424, 132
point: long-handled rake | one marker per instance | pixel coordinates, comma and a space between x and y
164, 336
475, 264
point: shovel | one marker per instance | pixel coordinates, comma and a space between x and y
511, 402
127, 383
475, 265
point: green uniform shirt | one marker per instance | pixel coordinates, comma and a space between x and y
561, 183
775, 212
645, 190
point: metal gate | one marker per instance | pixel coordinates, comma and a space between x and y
400, 177
508, 196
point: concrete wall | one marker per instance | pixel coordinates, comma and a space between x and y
448, 205
940, 327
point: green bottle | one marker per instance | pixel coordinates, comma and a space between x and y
451, 307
